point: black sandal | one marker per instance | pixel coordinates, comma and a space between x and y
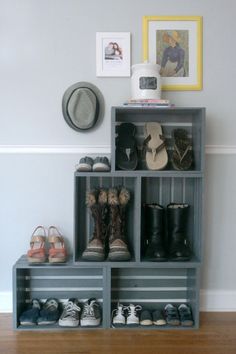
126, 147
182, 157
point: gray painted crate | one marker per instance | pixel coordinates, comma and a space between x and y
191, 119
151, 284
83, 220
58, 281
153, 288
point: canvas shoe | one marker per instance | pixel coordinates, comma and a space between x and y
146, 318
85, 164
185, 314
133, 315
91, 314
101, 164
118, 316
70, 314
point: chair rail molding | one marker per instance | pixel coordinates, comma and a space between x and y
93, 149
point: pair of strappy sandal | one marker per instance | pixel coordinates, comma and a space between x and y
38, 252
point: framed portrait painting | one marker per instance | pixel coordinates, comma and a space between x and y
113, 54
175, 43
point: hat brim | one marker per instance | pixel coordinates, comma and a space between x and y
98, 111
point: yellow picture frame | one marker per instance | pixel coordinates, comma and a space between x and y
193, 24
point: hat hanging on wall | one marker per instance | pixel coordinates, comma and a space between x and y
82, 106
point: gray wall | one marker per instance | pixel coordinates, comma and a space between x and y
48, 45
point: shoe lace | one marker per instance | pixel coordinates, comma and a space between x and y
71, 309
119, 311
132, 310
89, 308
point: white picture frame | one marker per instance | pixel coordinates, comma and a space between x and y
113, 54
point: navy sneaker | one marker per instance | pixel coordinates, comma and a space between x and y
30, 316
49, 313
185, 314
172, 315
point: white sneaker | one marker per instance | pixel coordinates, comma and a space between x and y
133, 317
118, 315
70, 314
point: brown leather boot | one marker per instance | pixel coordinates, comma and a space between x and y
97, 202
118, 250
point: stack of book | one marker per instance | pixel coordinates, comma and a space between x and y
148, 102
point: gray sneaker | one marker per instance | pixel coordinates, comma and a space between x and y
101, 164
70, 314
91, 314
158, 318
85, 164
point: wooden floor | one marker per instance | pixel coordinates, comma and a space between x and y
217, 335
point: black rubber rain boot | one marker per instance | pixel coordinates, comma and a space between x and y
154, 221
177, 219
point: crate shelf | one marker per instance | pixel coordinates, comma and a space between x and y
139, 281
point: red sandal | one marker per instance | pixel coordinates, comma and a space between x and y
57, 252
37, 252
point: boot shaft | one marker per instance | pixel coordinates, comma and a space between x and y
154, 221
177, 220
117, 204
96, 200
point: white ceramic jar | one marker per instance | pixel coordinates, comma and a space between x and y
146, 81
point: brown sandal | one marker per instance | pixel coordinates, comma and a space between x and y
37, 252
57, 252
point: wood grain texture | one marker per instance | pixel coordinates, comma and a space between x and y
217, 335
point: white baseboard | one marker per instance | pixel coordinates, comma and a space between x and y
218, 300
5, 301
210, 300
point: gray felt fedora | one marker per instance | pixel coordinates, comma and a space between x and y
82, 106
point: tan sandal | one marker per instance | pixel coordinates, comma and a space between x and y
37, 252
57, 252
154, 146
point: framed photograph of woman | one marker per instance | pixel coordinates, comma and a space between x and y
113, 54
175, 43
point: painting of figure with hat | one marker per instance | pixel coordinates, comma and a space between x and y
172, 52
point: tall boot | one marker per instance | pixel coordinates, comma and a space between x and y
177, 219
118, 249
154, 221
97, 202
